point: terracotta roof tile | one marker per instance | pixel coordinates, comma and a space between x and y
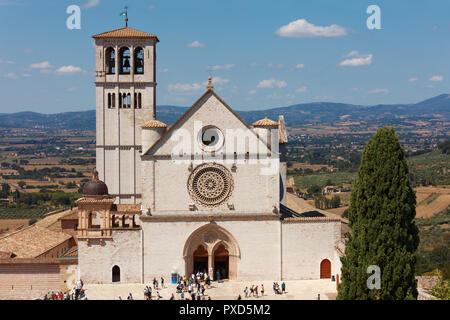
125, 33
154, 124
32, 241
266, 122
50, 220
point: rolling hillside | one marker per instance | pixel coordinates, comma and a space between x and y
437, 108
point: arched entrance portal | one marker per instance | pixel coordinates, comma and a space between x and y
221, 262
214, 248
200, 259
325, 269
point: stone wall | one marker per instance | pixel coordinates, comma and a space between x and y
258, 242
96, 260
34, 280
305, 244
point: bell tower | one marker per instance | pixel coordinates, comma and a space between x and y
125, 82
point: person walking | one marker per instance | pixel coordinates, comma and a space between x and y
246, 292
283, 288
262, 290
162, 282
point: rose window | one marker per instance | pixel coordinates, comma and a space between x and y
210, 184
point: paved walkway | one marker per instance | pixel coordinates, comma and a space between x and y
227, 290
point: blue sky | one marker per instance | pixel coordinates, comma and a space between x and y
261, 53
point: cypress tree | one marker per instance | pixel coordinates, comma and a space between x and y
381, 215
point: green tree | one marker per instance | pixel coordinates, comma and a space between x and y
6, 189
381, 215
442, 288
21, 184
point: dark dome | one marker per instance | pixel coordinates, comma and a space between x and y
95, 187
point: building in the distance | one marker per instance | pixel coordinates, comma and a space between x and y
207, 193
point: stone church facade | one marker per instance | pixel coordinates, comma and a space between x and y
207, 193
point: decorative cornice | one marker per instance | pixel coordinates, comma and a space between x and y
210, 217
129, 83
310, 219
73, 260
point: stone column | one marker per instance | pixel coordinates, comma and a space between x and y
211, 265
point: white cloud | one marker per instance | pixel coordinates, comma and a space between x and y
252, 91
185, 87
271, 83
11, 76
91, 4
221, 67
356, 59
28, 51
300, 66
163, 70
151, 6
303, 29
195, 44
71, 89
217, 80
6, 61
379, 90
41, 65
302, 89
436, 78
253, 64
68, 70
26, 75
413, 79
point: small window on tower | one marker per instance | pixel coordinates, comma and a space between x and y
139, 60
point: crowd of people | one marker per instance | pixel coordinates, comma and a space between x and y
254, 291
188, 288
77, 293
194, 286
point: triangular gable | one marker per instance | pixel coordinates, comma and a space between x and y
188, 114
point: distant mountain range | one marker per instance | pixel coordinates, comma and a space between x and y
319, 112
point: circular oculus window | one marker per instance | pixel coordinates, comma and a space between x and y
210, 184
211, 138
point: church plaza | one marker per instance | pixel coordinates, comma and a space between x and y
226, 290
